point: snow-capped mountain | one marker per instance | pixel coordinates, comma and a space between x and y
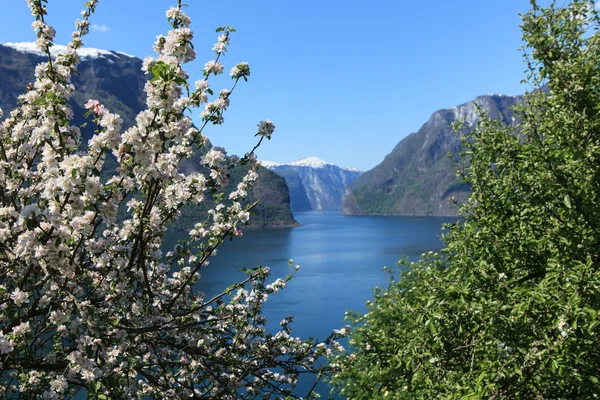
113, 77
314, 183
312, 162
84, 52
117, 80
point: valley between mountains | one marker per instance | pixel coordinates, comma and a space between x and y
418, 176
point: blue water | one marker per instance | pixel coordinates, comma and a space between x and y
341, 260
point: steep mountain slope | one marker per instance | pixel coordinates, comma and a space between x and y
320, 183
116, 79
298, 196
418, 177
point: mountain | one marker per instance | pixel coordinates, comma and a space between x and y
116, 79
299, 198
418, 177
314, 183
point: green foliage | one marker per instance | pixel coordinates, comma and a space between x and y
511, 310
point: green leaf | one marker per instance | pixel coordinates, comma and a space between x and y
567, 200
480, 377
592, 313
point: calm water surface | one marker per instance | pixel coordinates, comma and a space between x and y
341, 260
340, 257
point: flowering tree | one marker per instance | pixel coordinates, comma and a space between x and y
89, 303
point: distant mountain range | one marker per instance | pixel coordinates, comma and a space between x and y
116, 79
314, 184
418, 177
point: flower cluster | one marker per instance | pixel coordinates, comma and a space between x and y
89, 303
241, 70
265, 129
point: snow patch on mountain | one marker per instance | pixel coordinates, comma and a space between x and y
31, 48
315, 181
269, 164
311, 162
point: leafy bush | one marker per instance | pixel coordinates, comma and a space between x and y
511, 308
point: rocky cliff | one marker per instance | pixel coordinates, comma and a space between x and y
314, 183
418, 177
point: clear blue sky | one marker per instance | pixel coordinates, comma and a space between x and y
344, 81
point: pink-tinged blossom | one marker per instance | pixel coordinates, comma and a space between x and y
95, 107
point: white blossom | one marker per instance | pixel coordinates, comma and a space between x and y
266, 128
94, 293
19, 297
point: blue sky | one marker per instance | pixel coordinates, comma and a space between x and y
344, 81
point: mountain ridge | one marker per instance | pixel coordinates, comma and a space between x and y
417, 177
56, 49
312, 162
314, 184
118, 81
